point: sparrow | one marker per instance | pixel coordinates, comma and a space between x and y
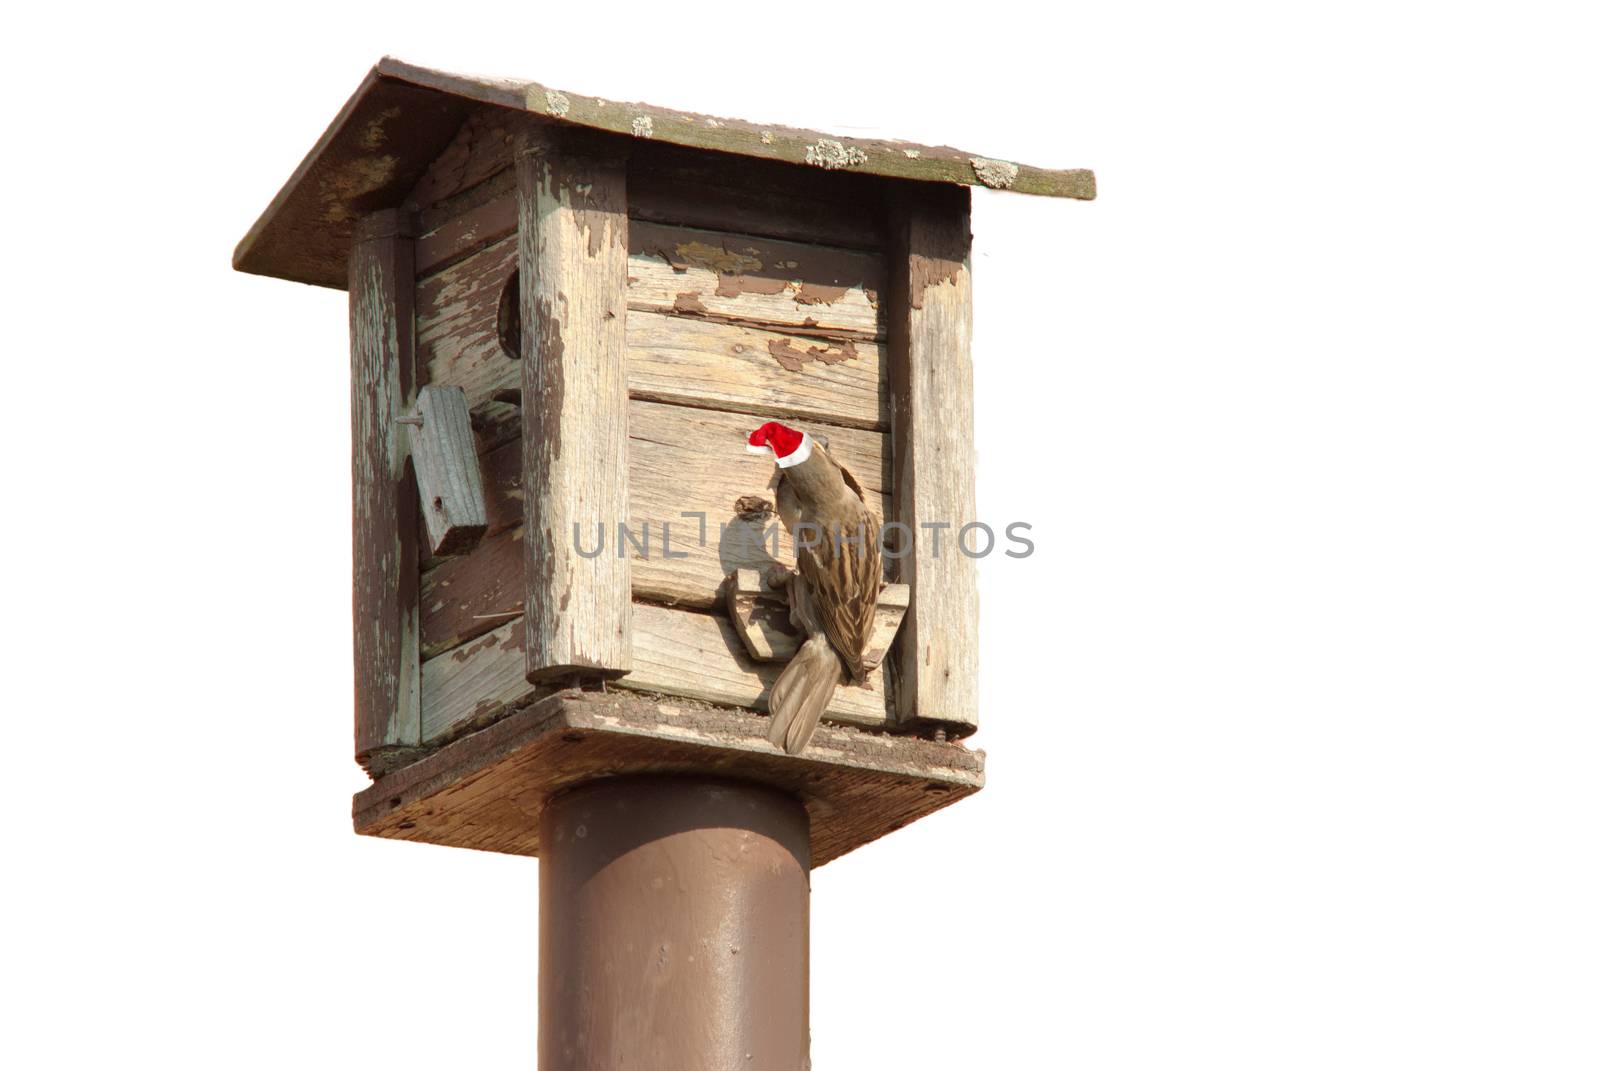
834, 595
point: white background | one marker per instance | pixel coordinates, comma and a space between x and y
1291, 720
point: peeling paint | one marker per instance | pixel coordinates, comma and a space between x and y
793, 356
488, 643
819, 294
715, 258
929, 271
731, 285
689, 303
556, 102
831, 155
643, 126
996, 174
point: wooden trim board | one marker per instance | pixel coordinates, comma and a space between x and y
384, 563
572, 255
930, 382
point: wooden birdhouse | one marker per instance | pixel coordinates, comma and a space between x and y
566, 315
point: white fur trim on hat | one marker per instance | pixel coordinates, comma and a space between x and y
801, 454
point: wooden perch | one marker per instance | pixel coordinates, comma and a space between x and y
760, 614
446, 461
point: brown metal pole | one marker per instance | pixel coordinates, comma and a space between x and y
673, 927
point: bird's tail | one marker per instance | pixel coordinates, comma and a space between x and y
802, 693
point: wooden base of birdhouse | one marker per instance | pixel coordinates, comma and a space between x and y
488, 789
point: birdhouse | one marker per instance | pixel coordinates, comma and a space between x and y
567, 315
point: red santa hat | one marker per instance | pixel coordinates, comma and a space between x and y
788, 446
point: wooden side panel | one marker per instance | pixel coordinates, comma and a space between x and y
729, 276
385, 564
675, 652
749, 370
721, 330
930, 375
680, 460
694, 460
736, 360
573, 263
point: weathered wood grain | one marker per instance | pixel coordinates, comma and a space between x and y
672, 184
486, 790
472, 685
680, 460
573, 263
458, 342
749, 370
382, 373
465, 597
675, 652
930, 376
812, 288
480, 148
468, 222
760, 615
445, 460
739, 365
701, 657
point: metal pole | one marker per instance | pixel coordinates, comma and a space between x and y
674, 927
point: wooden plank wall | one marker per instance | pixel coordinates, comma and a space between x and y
754, 292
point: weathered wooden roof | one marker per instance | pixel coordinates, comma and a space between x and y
403, 116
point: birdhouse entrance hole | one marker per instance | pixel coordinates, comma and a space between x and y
508, 319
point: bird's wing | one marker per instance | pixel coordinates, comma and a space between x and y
850, 481
845, 571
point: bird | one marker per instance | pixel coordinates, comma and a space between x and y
834, 594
